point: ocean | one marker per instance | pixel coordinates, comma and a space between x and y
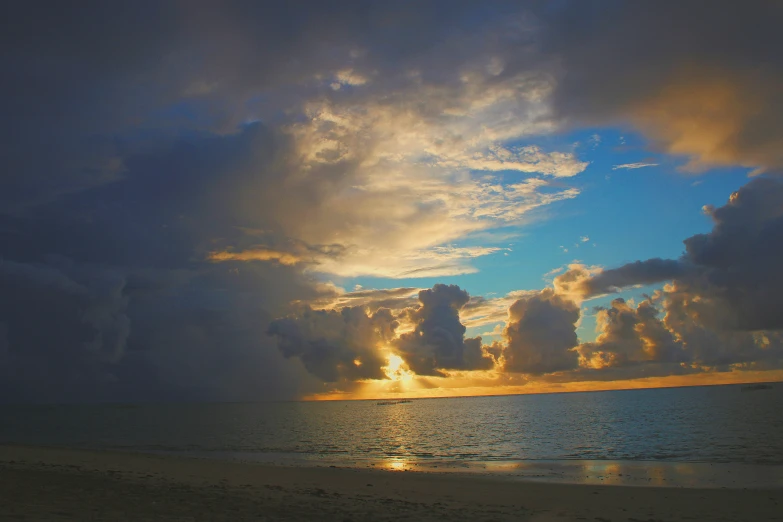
714, 425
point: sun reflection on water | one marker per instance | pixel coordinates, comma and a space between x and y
396, 465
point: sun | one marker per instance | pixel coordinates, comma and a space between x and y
397, 369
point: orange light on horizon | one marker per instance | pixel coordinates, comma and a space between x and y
404, 384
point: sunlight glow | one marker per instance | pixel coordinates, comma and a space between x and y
397, 370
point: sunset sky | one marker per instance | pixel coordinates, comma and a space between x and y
245, 200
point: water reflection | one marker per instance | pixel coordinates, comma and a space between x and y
599, 438
395, 465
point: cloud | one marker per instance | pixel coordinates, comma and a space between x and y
165, 200
356, 342
84, 312
628, 336
541, 334
135, 312
404, 181
482, 311
438, 341
692, 316
708, 92
336, 345
415, 140
638, 272
733, 267
722, 304
525, 159
257, 254
392, 298
632, 166
149, 168
572, 283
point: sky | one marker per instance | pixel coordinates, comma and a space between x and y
243, 201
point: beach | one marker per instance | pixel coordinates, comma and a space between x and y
42, 484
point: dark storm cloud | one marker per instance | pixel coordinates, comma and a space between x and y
541, 334
204, 337
134, 312
438, 340
85, 81
63, 326
699, 78
76, 332
81, 308
336, 345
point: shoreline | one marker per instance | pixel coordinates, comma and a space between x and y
629, 473
65, 484
632, 473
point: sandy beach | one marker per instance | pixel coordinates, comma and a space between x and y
41, 484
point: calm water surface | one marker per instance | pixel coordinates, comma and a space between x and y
705, 424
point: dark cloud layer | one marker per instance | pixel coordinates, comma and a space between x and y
76, 332
336, 345
699, 78
106, 294
90, 82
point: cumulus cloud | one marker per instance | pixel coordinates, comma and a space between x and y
572, 283
721, 307
737, 260
691, 316
733, 267
438, 341
355, 342
541, 334
630, 335
134, 312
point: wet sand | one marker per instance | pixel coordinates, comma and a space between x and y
42, 484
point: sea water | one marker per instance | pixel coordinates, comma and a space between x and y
531, 435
